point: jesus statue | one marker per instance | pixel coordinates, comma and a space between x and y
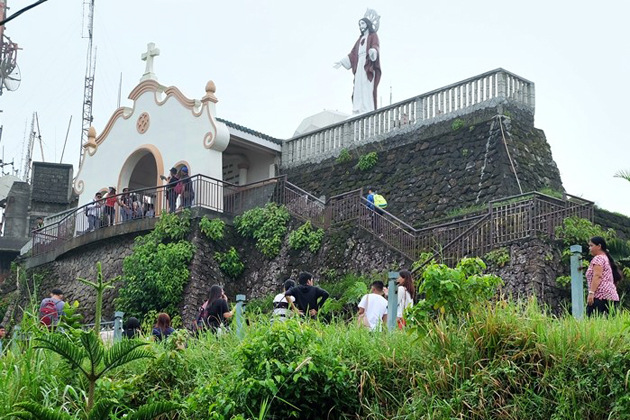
365, 62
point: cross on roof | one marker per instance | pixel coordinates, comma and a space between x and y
148, 57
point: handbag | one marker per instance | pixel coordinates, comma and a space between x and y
362, 319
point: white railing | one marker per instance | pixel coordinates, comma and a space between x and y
477, 92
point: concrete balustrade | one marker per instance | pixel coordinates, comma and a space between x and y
485, 90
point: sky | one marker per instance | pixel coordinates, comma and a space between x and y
272, 62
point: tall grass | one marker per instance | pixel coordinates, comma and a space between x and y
507, 360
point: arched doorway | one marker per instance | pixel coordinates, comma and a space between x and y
142, 169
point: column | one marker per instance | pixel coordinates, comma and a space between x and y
242, 173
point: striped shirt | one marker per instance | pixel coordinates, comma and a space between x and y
606, 289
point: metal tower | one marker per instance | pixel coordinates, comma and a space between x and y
90, 69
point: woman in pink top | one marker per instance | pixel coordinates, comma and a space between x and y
602, 275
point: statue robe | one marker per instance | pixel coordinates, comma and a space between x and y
364, 57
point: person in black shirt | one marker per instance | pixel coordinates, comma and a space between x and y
308, 298
132, 328
216, 310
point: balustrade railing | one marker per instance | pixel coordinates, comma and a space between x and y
461, 97
196, 191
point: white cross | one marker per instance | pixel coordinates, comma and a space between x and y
148, 57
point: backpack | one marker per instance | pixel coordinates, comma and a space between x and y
179, 187
48, 314
202, 318
379, 201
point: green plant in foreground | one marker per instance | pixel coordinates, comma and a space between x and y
623, 175
230, 263
306, 237
99, 287
563, 281
267, 225
344, 156
498, 257
213, 229
367, 161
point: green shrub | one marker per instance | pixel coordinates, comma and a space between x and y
230, 263
306, 237
155, 273
457, 124
267, 225
551, 192
452, 291
213, 229
578, 231
498, 257
367, 161
344, 156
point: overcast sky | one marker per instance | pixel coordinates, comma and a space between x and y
272, 64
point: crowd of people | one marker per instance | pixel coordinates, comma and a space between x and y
107, 209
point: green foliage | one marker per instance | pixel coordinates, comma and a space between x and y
99, 286
465, 152
551, 192
155, 273
465, 210
230, 263
457, 124
563, 281
213, 229
306, 237
623, 175
578, 231
367, 161
267, 225
288, 369
452, 291
498, 257
344, 156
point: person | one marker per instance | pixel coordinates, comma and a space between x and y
171, 195
132, 328
215, 311
126, 205
93, 211
373, 307
150, 210
376, 210
308, 298
365, 61
162, 329
188, 193
39, 223
601, 276
283, 304
110, 206
406, 294
3, 333
51, 308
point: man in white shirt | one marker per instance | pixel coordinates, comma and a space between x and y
373, 306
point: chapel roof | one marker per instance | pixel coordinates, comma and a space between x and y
250, 131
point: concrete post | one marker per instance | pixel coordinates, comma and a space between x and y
392, 300
118, 325
577, 282
238, 315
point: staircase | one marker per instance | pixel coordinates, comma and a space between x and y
507, 220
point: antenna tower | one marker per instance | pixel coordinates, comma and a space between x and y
90, 69
26, 172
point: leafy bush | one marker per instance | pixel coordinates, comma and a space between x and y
230, 262
457, 124
213, 229
578, 231
452, 291
155, 273
267, 225
551, 192
306, 237
344, 156
367, 161
498, 257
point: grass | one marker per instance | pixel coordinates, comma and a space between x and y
507, 360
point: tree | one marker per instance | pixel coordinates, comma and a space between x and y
623, 174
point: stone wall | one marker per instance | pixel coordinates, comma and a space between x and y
426, 173
532, 270
616, 221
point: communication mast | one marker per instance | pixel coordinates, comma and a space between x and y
90, 69
10, 76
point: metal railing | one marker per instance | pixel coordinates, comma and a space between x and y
458, 98
506, 220
196, 191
